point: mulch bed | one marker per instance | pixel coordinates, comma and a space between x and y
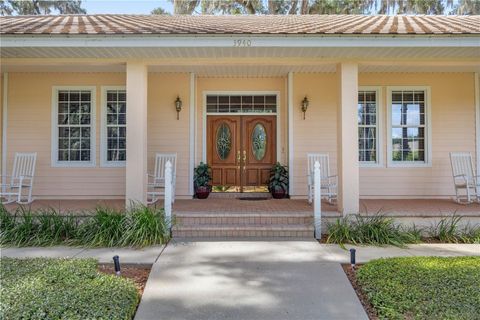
139, 274
352, 276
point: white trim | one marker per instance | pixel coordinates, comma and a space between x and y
103, 130
428, 131
290, 131
5, 123
54, 141
192, 131
477, 110
231, 93
228, 41
380, 128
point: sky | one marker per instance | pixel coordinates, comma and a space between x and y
125, 6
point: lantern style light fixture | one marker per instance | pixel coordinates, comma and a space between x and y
305, 104
178, 106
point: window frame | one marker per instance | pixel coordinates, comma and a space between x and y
379, 128
103, 130
428, 128
54, 118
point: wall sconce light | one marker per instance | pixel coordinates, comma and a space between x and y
178, 106
305, 103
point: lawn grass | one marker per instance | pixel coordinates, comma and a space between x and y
423, 287
73, 289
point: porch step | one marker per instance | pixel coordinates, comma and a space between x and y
243, 219
208, 231
237, 195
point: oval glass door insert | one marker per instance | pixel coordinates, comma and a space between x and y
224, 141
259, 141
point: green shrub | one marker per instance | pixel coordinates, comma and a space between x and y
449, 230
104, 227
372, 230
63, 289
423, 287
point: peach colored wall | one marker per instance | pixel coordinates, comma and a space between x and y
452, 121
318, 132
30, 110
453, 129
30, 129
166, 133
241, 84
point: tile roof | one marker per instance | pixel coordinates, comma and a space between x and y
104, 24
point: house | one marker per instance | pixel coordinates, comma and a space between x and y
389, 97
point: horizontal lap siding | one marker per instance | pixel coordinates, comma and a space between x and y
166, 134
453, 129
318, 132
29, 130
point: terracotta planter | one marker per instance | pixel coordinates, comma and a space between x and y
202, 192
279, 194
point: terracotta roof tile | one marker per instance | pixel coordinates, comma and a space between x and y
270, 24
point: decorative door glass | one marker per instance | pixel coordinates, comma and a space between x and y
259, 141
224, 141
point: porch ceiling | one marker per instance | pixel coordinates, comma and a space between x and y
246, 69
10, 50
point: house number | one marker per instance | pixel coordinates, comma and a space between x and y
242, 43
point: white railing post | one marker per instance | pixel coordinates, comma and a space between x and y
168, 193
317, 201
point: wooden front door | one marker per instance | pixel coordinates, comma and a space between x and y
241, 150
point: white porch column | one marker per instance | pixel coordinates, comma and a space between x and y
136, 172
347, 139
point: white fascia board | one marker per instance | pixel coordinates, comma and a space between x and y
239, 41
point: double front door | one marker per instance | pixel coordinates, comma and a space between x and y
241, 151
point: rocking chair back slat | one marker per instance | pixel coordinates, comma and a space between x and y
160, 163
462, 164
322, 158
24, 165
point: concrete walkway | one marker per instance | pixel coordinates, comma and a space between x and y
104, 255
247, 280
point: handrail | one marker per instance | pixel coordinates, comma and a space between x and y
317, 201
168, 194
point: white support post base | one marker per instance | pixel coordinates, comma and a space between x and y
168, 194
136, 167
317, 204
347, 135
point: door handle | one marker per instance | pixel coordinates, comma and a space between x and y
239, 159
244, 160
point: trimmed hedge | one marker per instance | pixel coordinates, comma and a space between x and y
71, 289
423, 287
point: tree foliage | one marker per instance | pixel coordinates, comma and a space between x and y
37, 7
464, 7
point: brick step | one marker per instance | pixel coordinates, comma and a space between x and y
195, 219
304, 231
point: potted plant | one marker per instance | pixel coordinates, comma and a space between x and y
201, 181
278, 184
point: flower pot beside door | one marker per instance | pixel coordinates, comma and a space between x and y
201, 181
278, 184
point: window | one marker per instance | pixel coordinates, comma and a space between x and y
408, 126
368, 126
74, 126
114, 126
257, 103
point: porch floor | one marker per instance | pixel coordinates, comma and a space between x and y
398, 208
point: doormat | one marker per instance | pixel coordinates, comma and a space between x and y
253, 198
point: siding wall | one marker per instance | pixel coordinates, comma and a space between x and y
29, 129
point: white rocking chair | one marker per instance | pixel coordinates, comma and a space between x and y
156, 181
12, 187
464, 177
328, 182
